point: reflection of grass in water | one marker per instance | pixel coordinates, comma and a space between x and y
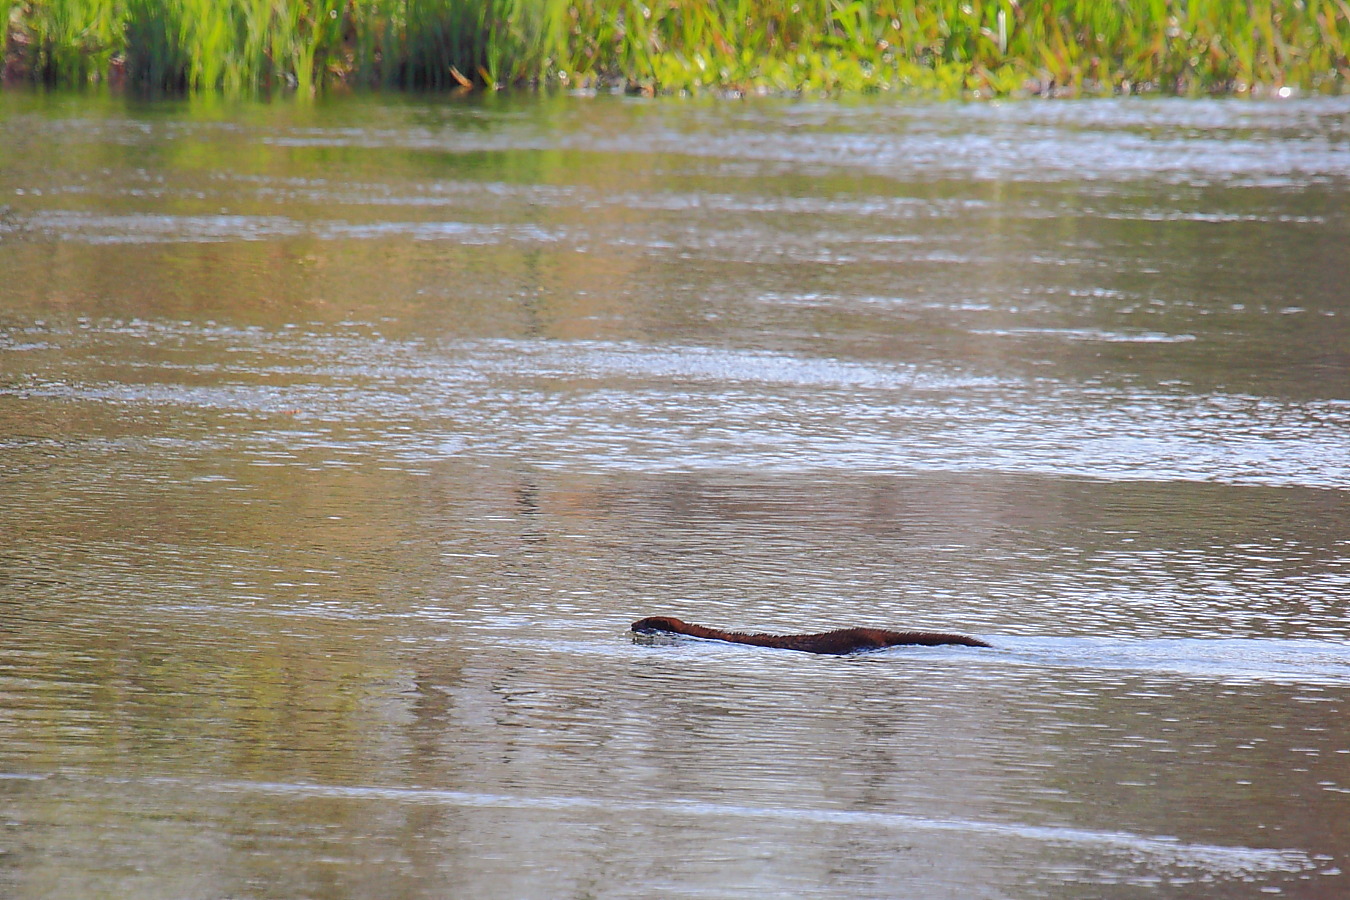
936, 46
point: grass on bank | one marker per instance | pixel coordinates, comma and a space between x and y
948, 47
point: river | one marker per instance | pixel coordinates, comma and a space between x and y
341, 442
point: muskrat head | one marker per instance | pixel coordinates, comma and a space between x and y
658, 625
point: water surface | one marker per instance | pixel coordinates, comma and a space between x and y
341, 443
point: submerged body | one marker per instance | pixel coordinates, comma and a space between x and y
844, 640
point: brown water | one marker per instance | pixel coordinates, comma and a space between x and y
342, 443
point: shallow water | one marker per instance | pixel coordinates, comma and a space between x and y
341, 443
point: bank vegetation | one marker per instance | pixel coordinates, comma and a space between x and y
941, 47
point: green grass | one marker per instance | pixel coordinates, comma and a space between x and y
65, 41
945, 47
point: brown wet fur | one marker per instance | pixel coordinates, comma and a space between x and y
844, 640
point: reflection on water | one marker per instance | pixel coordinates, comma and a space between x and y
341, 444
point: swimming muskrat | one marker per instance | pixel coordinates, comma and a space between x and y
844, 640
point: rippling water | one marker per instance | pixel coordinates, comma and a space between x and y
341, 443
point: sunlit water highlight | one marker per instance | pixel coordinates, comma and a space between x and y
622, 405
